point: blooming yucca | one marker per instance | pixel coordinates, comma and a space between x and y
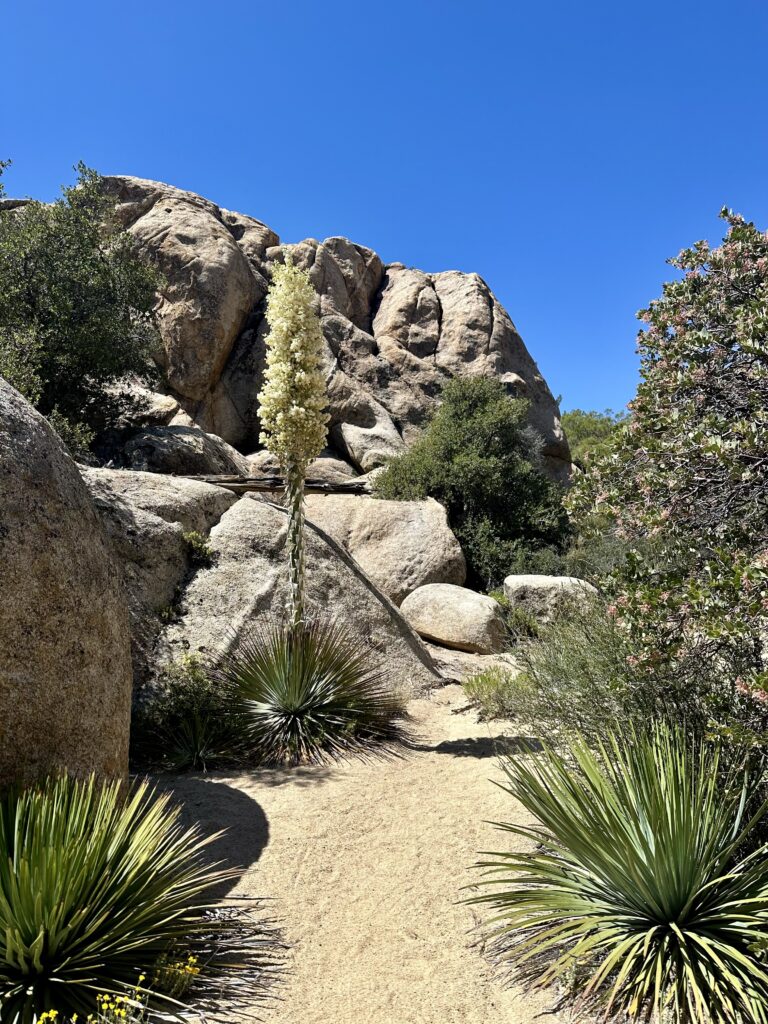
293, 401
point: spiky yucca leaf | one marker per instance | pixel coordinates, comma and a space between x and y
637, 893
311, 692
96, 886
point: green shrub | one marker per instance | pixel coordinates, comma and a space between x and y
583, 674
577, 675
76, 308
490, 692
520, 624
593, 557
311, 692
96, 888
637, 893
190, 721
588, 433
481, 460
200, 551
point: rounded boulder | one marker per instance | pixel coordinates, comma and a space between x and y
65, 659
456, 617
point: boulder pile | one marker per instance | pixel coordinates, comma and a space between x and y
394, 335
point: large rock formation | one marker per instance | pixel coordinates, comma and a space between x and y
146, 516
401, 545
178, 606
183, 450
248, 581
394, 335
65, 661
544, 596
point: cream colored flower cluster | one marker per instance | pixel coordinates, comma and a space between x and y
293, 401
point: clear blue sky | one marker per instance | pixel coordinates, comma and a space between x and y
562, 150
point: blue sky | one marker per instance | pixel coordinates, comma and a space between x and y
561, 150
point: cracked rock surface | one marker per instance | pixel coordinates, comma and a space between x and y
394, 335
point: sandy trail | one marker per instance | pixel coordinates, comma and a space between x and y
365, 862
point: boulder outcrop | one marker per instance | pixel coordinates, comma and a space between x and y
458, 666
543, 596
456, 617
327, 468
394, 335
146, 516
183, 450
65, 659
401, 545
248, 581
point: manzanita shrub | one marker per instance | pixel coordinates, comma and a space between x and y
689, 471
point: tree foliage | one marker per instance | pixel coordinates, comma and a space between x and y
588, 432
689, 469
480, 459
76, 307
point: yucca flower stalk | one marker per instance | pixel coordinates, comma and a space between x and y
293, 402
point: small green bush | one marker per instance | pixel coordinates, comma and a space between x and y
200, 551
312, 692
491, 693
520, 624
577, 675
582, 674
191, 720
481, 460
589, 432
96, 888
637, 894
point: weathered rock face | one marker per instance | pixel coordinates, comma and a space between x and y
458, 666
401, 545
394, 335
327, 468
209, 287
544, 596
191, 504
456, 617
65, 660
146, 516
248, 580
183, 450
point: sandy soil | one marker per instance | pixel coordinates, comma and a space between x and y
365, 862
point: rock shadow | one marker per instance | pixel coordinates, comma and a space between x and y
209, 802
485, 746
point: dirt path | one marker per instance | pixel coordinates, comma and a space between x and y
365, 862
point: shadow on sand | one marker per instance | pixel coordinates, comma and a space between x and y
483, 746
211, 803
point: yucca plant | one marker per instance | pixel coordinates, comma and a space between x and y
639, 895
96, 888
293, 403
311, 692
